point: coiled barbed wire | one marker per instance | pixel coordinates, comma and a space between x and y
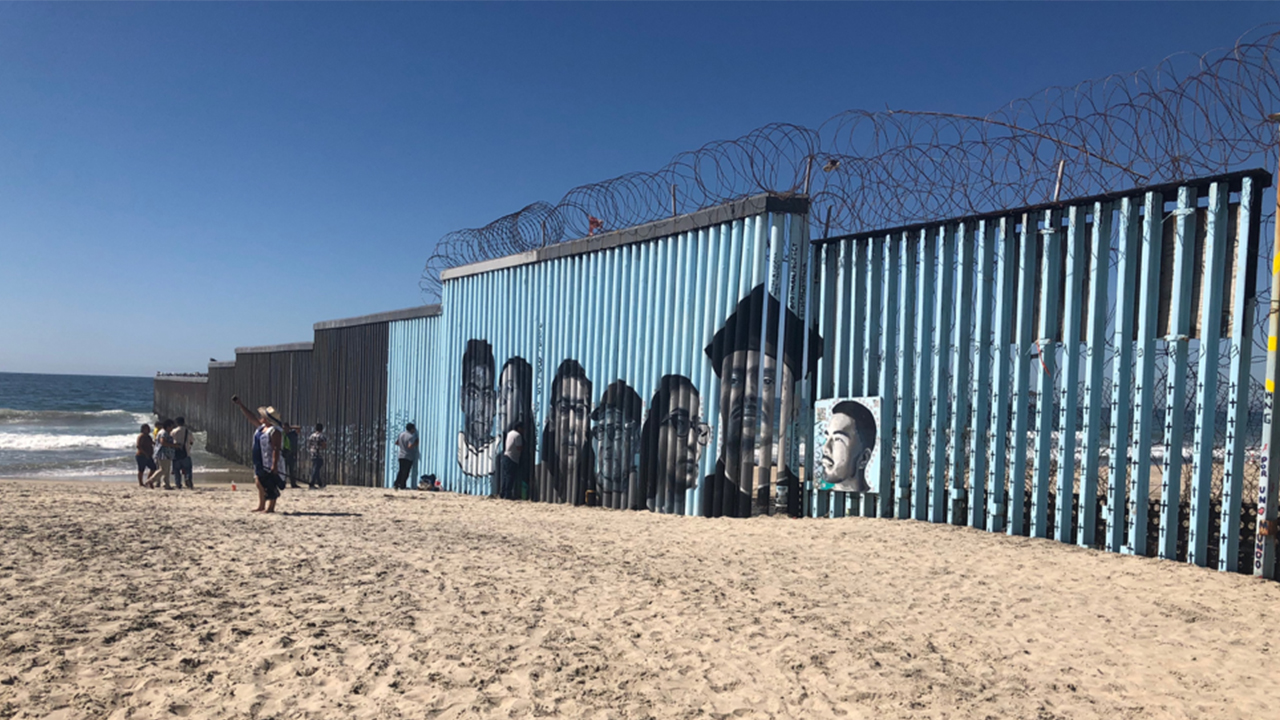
1187, 116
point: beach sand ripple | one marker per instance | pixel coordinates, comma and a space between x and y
117, 602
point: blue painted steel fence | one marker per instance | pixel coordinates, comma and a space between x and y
659, 367
1050, 374
1078, 370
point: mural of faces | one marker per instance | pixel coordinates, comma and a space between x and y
673, 439
748, 393
515, 394
515, 414
615, 436
476, 441
849, 437
566, 453
477, 392
758, 371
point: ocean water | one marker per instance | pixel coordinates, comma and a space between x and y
78, 426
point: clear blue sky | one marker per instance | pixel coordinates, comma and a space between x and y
180, 179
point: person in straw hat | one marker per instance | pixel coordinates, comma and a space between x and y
266, 453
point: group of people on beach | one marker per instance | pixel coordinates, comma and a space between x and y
275, 454
164, 453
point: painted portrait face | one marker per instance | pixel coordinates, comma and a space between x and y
746, 399
841, 448
478, 402
681, 437
615, 439
572, 408
511, 402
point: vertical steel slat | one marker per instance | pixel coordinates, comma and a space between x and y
960, 378
1215, 252
1242, 312
1027, 264
872, 316
978, 467
1050, 237
1176, 399
798, 425
856, 318
837, 343
1099, 260
906, 356
1121, 374
1143, 417
941, 374
835, 346
1070, 391
889, 386
924, 370
828, 255
775, 424
1000, 381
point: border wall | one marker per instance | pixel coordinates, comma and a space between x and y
1026, 384
184, 396
339, 379
1080, 371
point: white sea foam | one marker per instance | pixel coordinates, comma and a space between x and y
49, 441
59, 418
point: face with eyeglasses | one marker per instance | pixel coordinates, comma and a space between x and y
681, 437
571, 410
747, 397
615, 439
478, 398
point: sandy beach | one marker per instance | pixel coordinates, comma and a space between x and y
117, 602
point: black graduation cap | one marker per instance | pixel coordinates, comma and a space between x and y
734, 336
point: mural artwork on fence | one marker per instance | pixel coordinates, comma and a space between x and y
845, 443
615, 439
605, 455
566, 472
745, 358
477, 445
659, 368
515, 421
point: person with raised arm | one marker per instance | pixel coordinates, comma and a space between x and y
266, 453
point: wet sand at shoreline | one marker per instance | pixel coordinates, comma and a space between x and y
119, 602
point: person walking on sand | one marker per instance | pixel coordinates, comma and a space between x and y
145, 447
164, 455
316, 444
266, 454
407, 450
183, 440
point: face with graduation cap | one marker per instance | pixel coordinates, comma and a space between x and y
757, 372
748, 392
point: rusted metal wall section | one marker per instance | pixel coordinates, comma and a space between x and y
181, 396
339, 379
1029, 404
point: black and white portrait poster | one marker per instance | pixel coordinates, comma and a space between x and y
844, 432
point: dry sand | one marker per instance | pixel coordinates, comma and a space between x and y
122, 603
